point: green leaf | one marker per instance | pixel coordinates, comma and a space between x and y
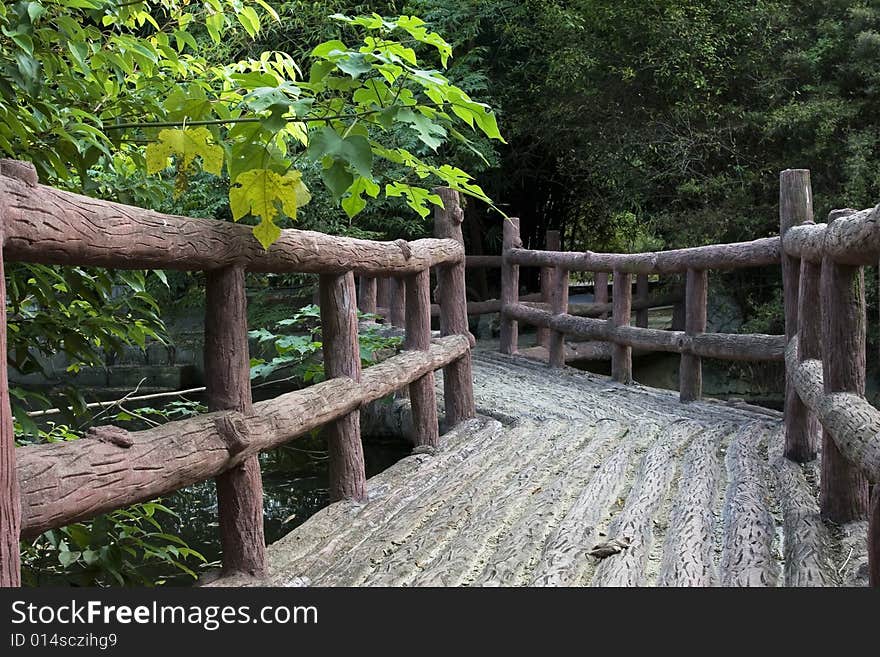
354, 150
337, 178
355, 201
249, 20
416, 197
429, 132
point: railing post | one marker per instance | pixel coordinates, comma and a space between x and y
642, 289
795, 207
621, 297
228, 387
844, 489
10, 500
551, 243
600, 289
367, 295
397, 299
342, 358
691, 367
422, 396
559, 306
509, 286
458, 381
804, 442
383, 298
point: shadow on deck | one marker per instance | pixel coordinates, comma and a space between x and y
560, 461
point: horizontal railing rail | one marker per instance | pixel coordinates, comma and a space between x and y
717, 256
111, 468
50, 226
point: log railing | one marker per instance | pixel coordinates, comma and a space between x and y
383, 297
48, 486
826, 324
823, 348
692, 343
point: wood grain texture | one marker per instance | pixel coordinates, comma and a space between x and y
803, 433
367, 294
640, 302
600, 294
559, 303
526, 506
509, 337
874, 538
853, 238
726, 346
765, 251
342, 358
747, 551
228, 387
688, 554
806, 542
10, 505
621, 354
696, 300
842, 289
451, 294
636, 521
418, 338
50, 226
847, 418
551, 243
67, 482
397, 301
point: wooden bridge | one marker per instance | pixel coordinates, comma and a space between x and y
546, 475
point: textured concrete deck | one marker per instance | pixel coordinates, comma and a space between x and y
563, 461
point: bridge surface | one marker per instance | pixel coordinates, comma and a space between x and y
562, 461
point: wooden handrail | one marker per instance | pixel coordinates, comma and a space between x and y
851, 421
67, 482
49, 226
725, 346
757, 253
853, 238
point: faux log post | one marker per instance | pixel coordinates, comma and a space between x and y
844, 489
509, 286
621, 355
802, 443
367, 295
418, 338
458, 380
642, 291
397, 299
795, 208
551, 243
691, 369
228, 387
383, 298
600, 289
559, 305
342, 358
874, 538
10, 504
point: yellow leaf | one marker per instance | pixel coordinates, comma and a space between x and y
260, 191
185, 144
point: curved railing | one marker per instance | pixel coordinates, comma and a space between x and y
825, 323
